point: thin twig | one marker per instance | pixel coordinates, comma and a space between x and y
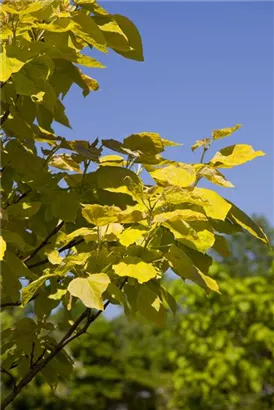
44, 243
4, 117
18, 303
18, 199
32, 355
12, 378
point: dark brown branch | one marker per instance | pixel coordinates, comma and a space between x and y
18, 199
65, 247
44, 243
18, 303
12, 378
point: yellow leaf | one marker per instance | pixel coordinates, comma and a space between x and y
183, 175
200, 143
186, 214
235, 155
112, 161
214, 205
3, 247
100, 215
54, 257
8, 65
135, 268
183, 266
65, 162
238, 216
144, 142
213, 175
89, 290
224, 132
130, 236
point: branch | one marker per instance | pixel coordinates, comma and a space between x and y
65, 247
18, 303
18, 199
44, 243
12, 378
69, 336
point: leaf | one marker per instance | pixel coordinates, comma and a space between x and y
87, 29
65, 205
201, 143
180, 175
23, 210
224, 132
9, 64
243, 220
183, 266
89, 290
54, 257
30, 290
167, 299
221, 246
3, 247
186, 214
145, 142
234, 155
150, 306
117, 180
130, 236
135, 268
113, 34
18, 267
215, 206
65, 162
213, 175
133, 36
100, 215
112, 161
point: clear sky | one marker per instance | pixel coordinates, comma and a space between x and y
207, 65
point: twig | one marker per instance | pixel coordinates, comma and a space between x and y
32, 355
44, 243
18, 303
12, 378
65, 247
18, 199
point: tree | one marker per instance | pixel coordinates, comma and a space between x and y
133, 365
74, 236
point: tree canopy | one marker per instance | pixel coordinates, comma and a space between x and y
79, 225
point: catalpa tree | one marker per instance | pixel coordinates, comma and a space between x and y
79, 225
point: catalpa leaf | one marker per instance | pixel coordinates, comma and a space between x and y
30, 290
183, 266
213, 175
224, 132
242, 219
214, 205
130, 236
65, 162
89, 290
134, 267
180, 175
145, 142
100, 215
178, 214
235, 155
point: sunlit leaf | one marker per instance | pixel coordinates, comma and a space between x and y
135, 268
235, 155
224, 132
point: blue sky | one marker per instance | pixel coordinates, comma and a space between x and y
207, 65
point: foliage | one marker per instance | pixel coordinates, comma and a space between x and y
217, 353
73, 235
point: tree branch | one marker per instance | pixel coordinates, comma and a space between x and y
12, 379
69, 336
18, 199
44, 243
18, 303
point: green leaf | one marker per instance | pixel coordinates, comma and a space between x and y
113, 34
86, 28
135, 268
224, 132
65, 205
179, 175
23, 210
221, 246
243, 220
183, 266
150, 306
3, 247
18, 267
9, 64
117, 180
10, 284
89, 290
234, 155
133, 36
30, 290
